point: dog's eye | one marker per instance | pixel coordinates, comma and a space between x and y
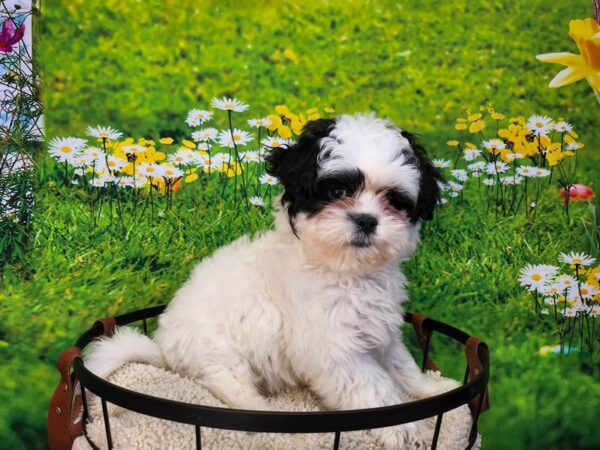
336, 193
399, 201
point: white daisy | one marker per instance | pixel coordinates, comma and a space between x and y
93, 154
460, 174
228, 138
229, 104
133, 148
573, 146
441, 163
252, 156
527, 171
540, 172
115, 163
66, 149
544, 312
565, 282
576, 259
268, 179
489, 181
476, 166
275, 142
264, 122
587, 291
442, 201
534, 276
563, 127
569, 312
593, 311
205, 134
511, 180
549, 300
124, 181
454, 188
497, 167
171, 172
104, 133
181, 157
512, 156
471, 153
257, 201
494, 144
197, 117
539, 125
150, 170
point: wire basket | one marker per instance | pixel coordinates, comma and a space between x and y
68, 411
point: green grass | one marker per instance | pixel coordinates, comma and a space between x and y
139, 68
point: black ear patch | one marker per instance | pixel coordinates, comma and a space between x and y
429, 190
296, 166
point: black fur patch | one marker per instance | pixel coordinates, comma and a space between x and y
429, 190
296, 167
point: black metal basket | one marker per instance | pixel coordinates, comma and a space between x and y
68, 410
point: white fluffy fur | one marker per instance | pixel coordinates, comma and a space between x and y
281, 311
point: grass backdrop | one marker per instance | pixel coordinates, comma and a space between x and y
140, 66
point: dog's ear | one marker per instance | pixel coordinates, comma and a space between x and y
296, 165
429, 189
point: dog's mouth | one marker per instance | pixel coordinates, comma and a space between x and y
362, 241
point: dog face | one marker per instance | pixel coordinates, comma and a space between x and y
356, 189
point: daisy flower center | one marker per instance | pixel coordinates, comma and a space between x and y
536, 277
539, 124
103, 134
577, 261
66, 149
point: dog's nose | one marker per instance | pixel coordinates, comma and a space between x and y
366, 222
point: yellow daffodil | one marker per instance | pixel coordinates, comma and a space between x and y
586, 34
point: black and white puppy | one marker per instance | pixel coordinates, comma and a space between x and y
317, 300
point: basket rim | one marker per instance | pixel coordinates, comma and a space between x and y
281, 421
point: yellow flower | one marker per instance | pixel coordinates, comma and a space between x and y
290, 54
586, 34
284, 131
461, 120
554, 157
497, 116
166, 141
474, 117
460, 126
188, 144
329, 110
453, 143
476, 126
282, 110
470, 145
275, 121
313, 116
191, 178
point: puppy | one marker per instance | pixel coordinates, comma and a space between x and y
317, 300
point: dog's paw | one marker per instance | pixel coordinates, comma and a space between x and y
401, 437
434, 384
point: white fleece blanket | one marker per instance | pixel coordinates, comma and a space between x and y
131, 430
